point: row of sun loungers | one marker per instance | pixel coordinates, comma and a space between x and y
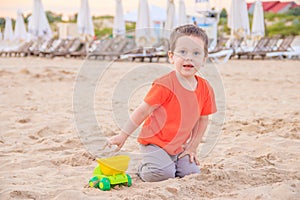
266, 47
125, 48
112, 48
48, 48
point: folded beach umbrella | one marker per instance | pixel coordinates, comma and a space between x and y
38, 26
119, 22
8, 30
238, 20
182, 18
258, 24
84, 20
142, 31
20, 29
171, 17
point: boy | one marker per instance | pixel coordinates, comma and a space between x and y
175, 111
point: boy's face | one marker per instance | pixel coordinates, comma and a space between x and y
188, 55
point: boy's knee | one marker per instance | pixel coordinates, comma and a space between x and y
185, 167
189, 171
149, 174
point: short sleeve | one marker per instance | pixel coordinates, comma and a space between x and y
209, 104
157, 95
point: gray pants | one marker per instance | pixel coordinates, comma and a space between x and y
158, 165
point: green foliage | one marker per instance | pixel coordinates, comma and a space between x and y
223, 13
130, 26
103, 17
281, 28
53, 17
223, 26
103, 33
294, 11
269, 16
2, 23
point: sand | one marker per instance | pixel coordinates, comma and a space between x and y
257, 155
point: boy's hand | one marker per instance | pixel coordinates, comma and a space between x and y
192, 155
117, 140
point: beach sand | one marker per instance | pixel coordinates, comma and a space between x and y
257, 155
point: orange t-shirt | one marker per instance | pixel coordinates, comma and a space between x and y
179, 109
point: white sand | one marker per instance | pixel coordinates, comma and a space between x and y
257, 155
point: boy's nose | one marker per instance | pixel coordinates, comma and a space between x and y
188, 58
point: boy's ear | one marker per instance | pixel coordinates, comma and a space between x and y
171, 55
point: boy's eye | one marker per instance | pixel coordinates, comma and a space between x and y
196, 53
182, 52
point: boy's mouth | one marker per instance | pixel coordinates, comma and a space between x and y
188, 66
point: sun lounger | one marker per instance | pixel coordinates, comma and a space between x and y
111, 49
159, 50
220, 57
259, 47
22, 49
81, 51
54, 47
284, 49
40, 46
68, 47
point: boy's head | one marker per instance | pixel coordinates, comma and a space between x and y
188, 30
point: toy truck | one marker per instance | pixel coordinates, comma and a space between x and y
111, 171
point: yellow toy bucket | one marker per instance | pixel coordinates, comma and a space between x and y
114, 165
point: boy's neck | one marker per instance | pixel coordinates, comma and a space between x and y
189, 83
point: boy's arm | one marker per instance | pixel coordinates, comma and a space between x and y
197, 133
136, 118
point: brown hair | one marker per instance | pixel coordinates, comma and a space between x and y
188, 30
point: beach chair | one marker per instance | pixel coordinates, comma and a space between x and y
82, 50
221, 45
161, 50
11, 46
100, 47
70, 45
221, 53
114, 49
22, 50
284, 49
55, 45
158, 50
259, 47
270, 45
40, 46
221, 56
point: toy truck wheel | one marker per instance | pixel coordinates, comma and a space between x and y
104, 184
94, 182
129, 180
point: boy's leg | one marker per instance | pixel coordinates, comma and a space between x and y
157, 164
185, 167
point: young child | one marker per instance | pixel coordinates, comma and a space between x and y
175, 111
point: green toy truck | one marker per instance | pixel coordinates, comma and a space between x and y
110, 172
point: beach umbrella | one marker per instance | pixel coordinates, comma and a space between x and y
119, 22
171, 17
258, 24
84, 20
142, 31
8, 30
38, 26
20, 29
182, 19
238, 20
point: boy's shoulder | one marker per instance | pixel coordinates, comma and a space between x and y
165, 79
203, 83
